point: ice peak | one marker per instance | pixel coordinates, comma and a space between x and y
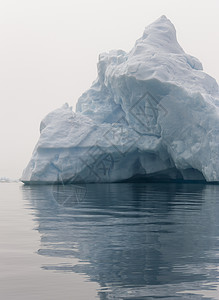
163, 17
159, 36
65, 106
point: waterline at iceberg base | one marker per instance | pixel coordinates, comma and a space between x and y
151, 114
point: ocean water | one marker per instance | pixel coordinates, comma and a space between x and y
109, 241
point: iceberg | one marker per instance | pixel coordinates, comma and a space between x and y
7, 180
151, 114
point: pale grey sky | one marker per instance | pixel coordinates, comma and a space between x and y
49, 50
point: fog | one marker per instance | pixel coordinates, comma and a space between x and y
49, 50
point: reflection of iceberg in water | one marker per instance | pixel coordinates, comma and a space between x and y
138, 240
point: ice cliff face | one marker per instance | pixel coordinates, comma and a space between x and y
151, 113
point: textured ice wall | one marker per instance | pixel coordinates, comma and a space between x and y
151, 112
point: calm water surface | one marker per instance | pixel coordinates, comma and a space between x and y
109, 241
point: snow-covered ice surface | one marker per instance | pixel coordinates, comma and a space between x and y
151, 113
